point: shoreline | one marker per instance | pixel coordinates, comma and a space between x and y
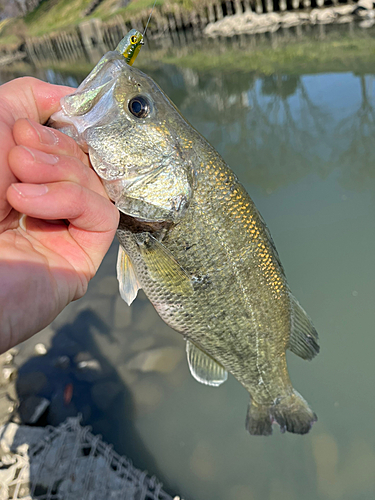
173, 26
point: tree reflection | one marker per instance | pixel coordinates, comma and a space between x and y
270, 129
357, 132
273, 133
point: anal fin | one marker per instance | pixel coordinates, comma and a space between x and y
128, 283
204, 368
303, 336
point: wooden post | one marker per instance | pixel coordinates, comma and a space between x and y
258, 7
228, 5
30, 52
247, 6
269, 5
177, 16
219, 11
211, 13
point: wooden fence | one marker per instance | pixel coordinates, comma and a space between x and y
170, 24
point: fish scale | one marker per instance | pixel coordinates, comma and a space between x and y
245, 320
192, 239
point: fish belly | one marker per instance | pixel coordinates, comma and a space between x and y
238, 307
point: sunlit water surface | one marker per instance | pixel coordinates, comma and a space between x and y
303, 146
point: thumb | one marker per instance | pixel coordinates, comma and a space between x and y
30, 98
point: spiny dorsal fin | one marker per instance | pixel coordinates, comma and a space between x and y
303, 336
162, 265
204, 368
128, 283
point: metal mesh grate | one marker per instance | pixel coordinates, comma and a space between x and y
71, 463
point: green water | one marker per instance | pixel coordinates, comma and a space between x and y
303, 146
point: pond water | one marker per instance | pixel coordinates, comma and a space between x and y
303, 145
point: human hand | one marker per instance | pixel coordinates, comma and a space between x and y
48, 256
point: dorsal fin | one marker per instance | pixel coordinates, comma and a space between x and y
128, 283
303, 336
204, 368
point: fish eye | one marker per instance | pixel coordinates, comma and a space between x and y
139, 106
133, 39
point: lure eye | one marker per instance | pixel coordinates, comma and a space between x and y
133, 39
139, 106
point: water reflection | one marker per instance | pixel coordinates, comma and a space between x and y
98, 392
302, 145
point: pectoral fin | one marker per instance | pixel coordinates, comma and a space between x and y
162, 265
303, 336
204, 368
128, 283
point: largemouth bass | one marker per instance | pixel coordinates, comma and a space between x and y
193, 240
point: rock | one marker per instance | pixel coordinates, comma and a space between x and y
129, 377
31, 383
102, 307
322, 16
6, 358
368, 23
7, 407
12, 392
344, 19
103, 393
147, 319
147, 394
88, 368
123, 314
82, 356
107, 286
365, 4
40, 349
14, 437
343, 10
202, 461
62, 362
163, 360
58, 410
7, 374
142, 343
32, 408
290, 19
91, 364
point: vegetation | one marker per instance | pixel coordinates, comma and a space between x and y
55, 15
336, 54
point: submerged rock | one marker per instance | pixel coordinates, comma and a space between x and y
163, 360
30, 383
32, 408
40, 349
104, 393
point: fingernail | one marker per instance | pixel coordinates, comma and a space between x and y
46, 135
30, 190
41, 157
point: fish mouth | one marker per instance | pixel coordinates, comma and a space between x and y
65, 124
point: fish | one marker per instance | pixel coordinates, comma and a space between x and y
191, 237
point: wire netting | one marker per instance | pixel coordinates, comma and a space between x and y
71, 463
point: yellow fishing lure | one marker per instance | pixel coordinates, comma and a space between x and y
130, 46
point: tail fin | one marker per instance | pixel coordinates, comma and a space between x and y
291, 412
259, 420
